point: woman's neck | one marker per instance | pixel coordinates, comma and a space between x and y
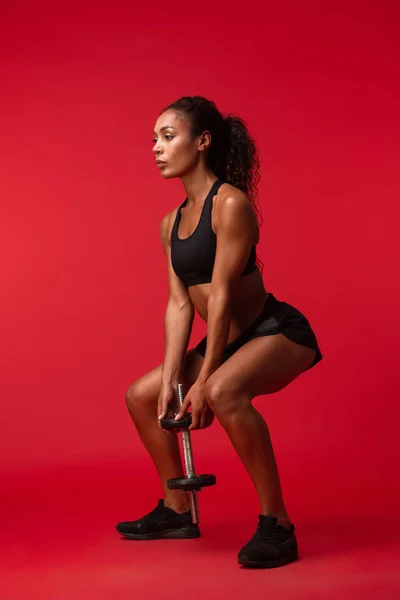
197, 184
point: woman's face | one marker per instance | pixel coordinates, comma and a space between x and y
176, 151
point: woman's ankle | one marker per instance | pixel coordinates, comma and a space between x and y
178, 502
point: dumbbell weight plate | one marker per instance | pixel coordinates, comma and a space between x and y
171, 424
191, 484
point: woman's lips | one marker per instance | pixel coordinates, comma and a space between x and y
160, 164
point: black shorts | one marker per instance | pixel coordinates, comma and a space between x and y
276, 317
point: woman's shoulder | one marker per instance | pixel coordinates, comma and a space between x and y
167, 222
232, 205
231, 198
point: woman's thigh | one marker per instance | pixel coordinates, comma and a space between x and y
146, 389
261, 366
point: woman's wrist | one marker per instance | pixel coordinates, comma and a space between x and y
172, 379
201, 380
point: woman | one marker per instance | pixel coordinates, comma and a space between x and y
255, 344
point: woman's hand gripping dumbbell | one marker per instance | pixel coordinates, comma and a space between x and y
190, 483
201, 415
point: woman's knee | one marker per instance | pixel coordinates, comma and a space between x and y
139, 397
222, 400
132, 396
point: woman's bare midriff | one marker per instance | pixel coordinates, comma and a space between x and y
247, 302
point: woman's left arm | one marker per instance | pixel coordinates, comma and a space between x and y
235, 228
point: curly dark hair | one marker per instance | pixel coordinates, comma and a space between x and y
233, 155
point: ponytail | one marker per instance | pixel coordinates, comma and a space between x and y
242, 160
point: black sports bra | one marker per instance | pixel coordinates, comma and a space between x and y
193, 257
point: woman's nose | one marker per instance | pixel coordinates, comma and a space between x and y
156, 148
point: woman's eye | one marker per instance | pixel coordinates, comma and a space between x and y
167, 137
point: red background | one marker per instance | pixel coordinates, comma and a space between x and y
83, 276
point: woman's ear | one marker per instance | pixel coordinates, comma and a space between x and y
204, 141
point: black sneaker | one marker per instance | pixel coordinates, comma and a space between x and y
162, 522
272, 545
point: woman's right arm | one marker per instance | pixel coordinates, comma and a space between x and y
179, 316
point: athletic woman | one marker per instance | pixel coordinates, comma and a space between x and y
255, 344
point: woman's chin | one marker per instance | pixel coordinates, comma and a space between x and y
167, 174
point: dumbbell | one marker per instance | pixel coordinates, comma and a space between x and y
190, 483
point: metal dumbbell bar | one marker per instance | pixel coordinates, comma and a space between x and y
190, 483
